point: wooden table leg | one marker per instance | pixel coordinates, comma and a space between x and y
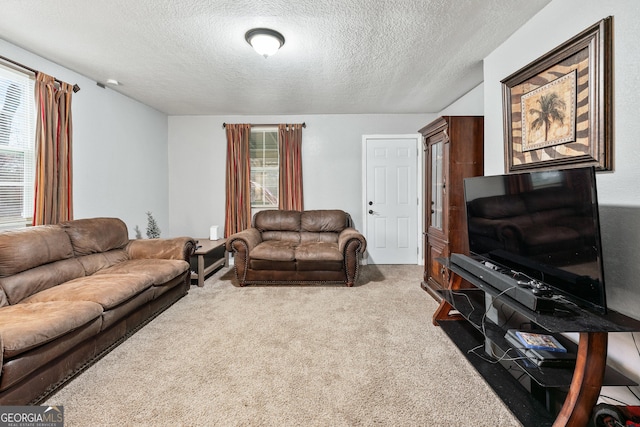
200, 270
587, 380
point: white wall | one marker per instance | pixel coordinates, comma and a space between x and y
120, 165
561, 20
470, 104
618, 192
331, 163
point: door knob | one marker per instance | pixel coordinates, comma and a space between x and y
370, 212
370, 203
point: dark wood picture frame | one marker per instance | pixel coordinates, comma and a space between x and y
558, 110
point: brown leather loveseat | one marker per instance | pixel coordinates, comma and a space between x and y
71, 292
315, 246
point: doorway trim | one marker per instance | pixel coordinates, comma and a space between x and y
419, 186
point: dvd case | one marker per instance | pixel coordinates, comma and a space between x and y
540, 341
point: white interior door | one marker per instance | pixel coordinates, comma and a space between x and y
391, 198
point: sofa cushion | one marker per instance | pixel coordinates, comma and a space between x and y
324, 220
309, 237
318, 251
26, 326
44, 356
275, 250
30, 282
96, 262
95, 235
23, 249
108, 290
289, 236
159, 270
277, 220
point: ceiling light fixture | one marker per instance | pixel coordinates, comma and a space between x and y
109, 82
265, 41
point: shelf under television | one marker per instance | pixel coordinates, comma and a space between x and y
528, 410
470, 303
461, 316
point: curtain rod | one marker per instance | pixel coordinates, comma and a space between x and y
304, 125
76, 88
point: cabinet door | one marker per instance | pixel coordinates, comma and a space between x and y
437, 275
436, 187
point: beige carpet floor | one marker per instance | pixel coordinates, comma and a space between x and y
288, 356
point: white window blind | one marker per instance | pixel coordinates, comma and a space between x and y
265, 167
17, 154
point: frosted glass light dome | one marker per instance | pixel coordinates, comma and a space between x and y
265, 41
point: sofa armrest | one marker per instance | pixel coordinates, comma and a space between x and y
350, 237
352, 244
244, 241
241, 244
174, 248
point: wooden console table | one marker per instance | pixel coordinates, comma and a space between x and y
461, 314
205, 250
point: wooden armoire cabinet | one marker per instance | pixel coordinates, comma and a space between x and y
454, 150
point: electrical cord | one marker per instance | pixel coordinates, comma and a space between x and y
635, 343
633, 336
496, 358
505, 356
502, 310
632, 392
482, 327
614, 399
484, 316
473, 308
620, 401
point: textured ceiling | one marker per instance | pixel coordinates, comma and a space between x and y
340, 56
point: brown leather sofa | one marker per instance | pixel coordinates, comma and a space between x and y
315, 246
71, 292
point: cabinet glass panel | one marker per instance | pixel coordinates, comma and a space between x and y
437, 189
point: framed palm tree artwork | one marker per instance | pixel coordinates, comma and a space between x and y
558, 109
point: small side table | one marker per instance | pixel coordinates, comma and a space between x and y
206, 251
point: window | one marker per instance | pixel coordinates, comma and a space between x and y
17, 156
263, 145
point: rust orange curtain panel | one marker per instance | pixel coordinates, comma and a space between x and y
238, 186
53, 174
290, 176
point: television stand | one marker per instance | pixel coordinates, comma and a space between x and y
461, 316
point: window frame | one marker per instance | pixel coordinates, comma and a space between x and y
264, 168
20, 138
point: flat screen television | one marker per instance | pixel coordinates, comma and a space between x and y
542, 224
